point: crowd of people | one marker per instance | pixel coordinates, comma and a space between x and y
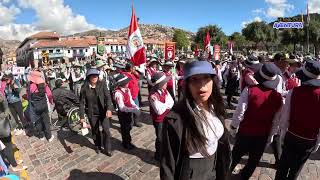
279, 99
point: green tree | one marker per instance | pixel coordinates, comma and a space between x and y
260, 32
216, 34
181, 39
292, 36
239, 41
314, 34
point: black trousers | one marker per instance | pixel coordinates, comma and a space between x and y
16, 110
251, 145
8, 151
277, 148
100, 128
198, 169
126, 123
158, 129
42, 125
296, 152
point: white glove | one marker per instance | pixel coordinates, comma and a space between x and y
315, 149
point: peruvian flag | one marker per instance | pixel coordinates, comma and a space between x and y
230, 46
206, 46
135, 46
196, 51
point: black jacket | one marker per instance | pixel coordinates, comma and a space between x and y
64, 100
86, 103
173, 150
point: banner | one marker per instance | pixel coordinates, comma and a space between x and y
18, 70
170, 51
216, 52
100, 46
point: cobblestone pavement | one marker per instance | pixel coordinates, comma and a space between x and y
71, 156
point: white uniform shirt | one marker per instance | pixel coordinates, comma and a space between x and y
120, 103
160, 107
213, 134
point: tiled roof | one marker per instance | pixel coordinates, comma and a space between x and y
45, 35
46, 44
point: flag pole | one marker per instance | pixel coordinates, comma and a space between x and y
308, 22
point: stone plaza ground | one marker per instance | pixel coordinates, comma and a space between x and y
71, 156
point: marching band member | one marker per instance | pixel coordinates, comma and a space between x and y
151, 71
300, 127
161, 102
256, 115
252, 65
78, 78
167, 66
126, 106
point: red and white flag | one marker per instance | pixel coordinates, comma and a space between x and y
206, 46
230, 46
196, 51
135, 47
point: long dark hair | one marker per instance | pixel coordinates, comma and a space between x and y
195, 139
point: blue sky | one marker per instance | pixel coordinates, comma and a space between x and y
230, 15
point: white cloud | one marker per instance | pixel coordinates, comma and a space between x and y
258, 11
314, 6
51, 15
278, 8
8, 14
55, 15
16, 31
245, 23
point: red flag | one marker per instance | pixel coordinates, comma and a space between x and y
206, 46
196, 51
135, 46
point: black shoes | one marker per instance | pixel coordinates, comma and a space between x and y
129, 146
108, 153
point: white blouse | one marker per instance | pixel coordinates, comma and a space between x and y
213, 134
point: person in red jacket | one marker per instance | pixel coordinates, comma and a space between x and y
167, 66
252, 65
151, 70
126, 106
299, 122
161, 102
255, 117
133, 85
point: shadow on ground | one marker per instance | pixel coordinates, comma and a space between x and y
77, 174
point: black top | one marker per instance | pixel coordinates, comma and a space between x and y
93, 99
173, 146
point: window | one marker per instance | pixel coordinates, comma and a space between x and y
50, 51
81, 51
111, 48
117, 48
74, 51
68, 51
86, 50
94, 49
58, 50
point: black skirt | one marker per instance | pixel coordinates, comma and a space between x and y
198, 168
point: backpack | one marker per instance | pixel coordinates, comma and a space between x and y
38, 100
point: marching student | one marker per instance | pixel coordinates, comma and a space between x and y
126, 106
133, 85
180, 74
232, 84
256, 114
151, 70
252, 65
161, 102
167, 66
300, 127
290, 75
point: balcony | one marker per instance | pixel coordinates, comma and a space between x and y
56, 55
79, 54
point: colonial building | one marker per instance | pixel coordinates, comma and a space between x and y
50, 45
